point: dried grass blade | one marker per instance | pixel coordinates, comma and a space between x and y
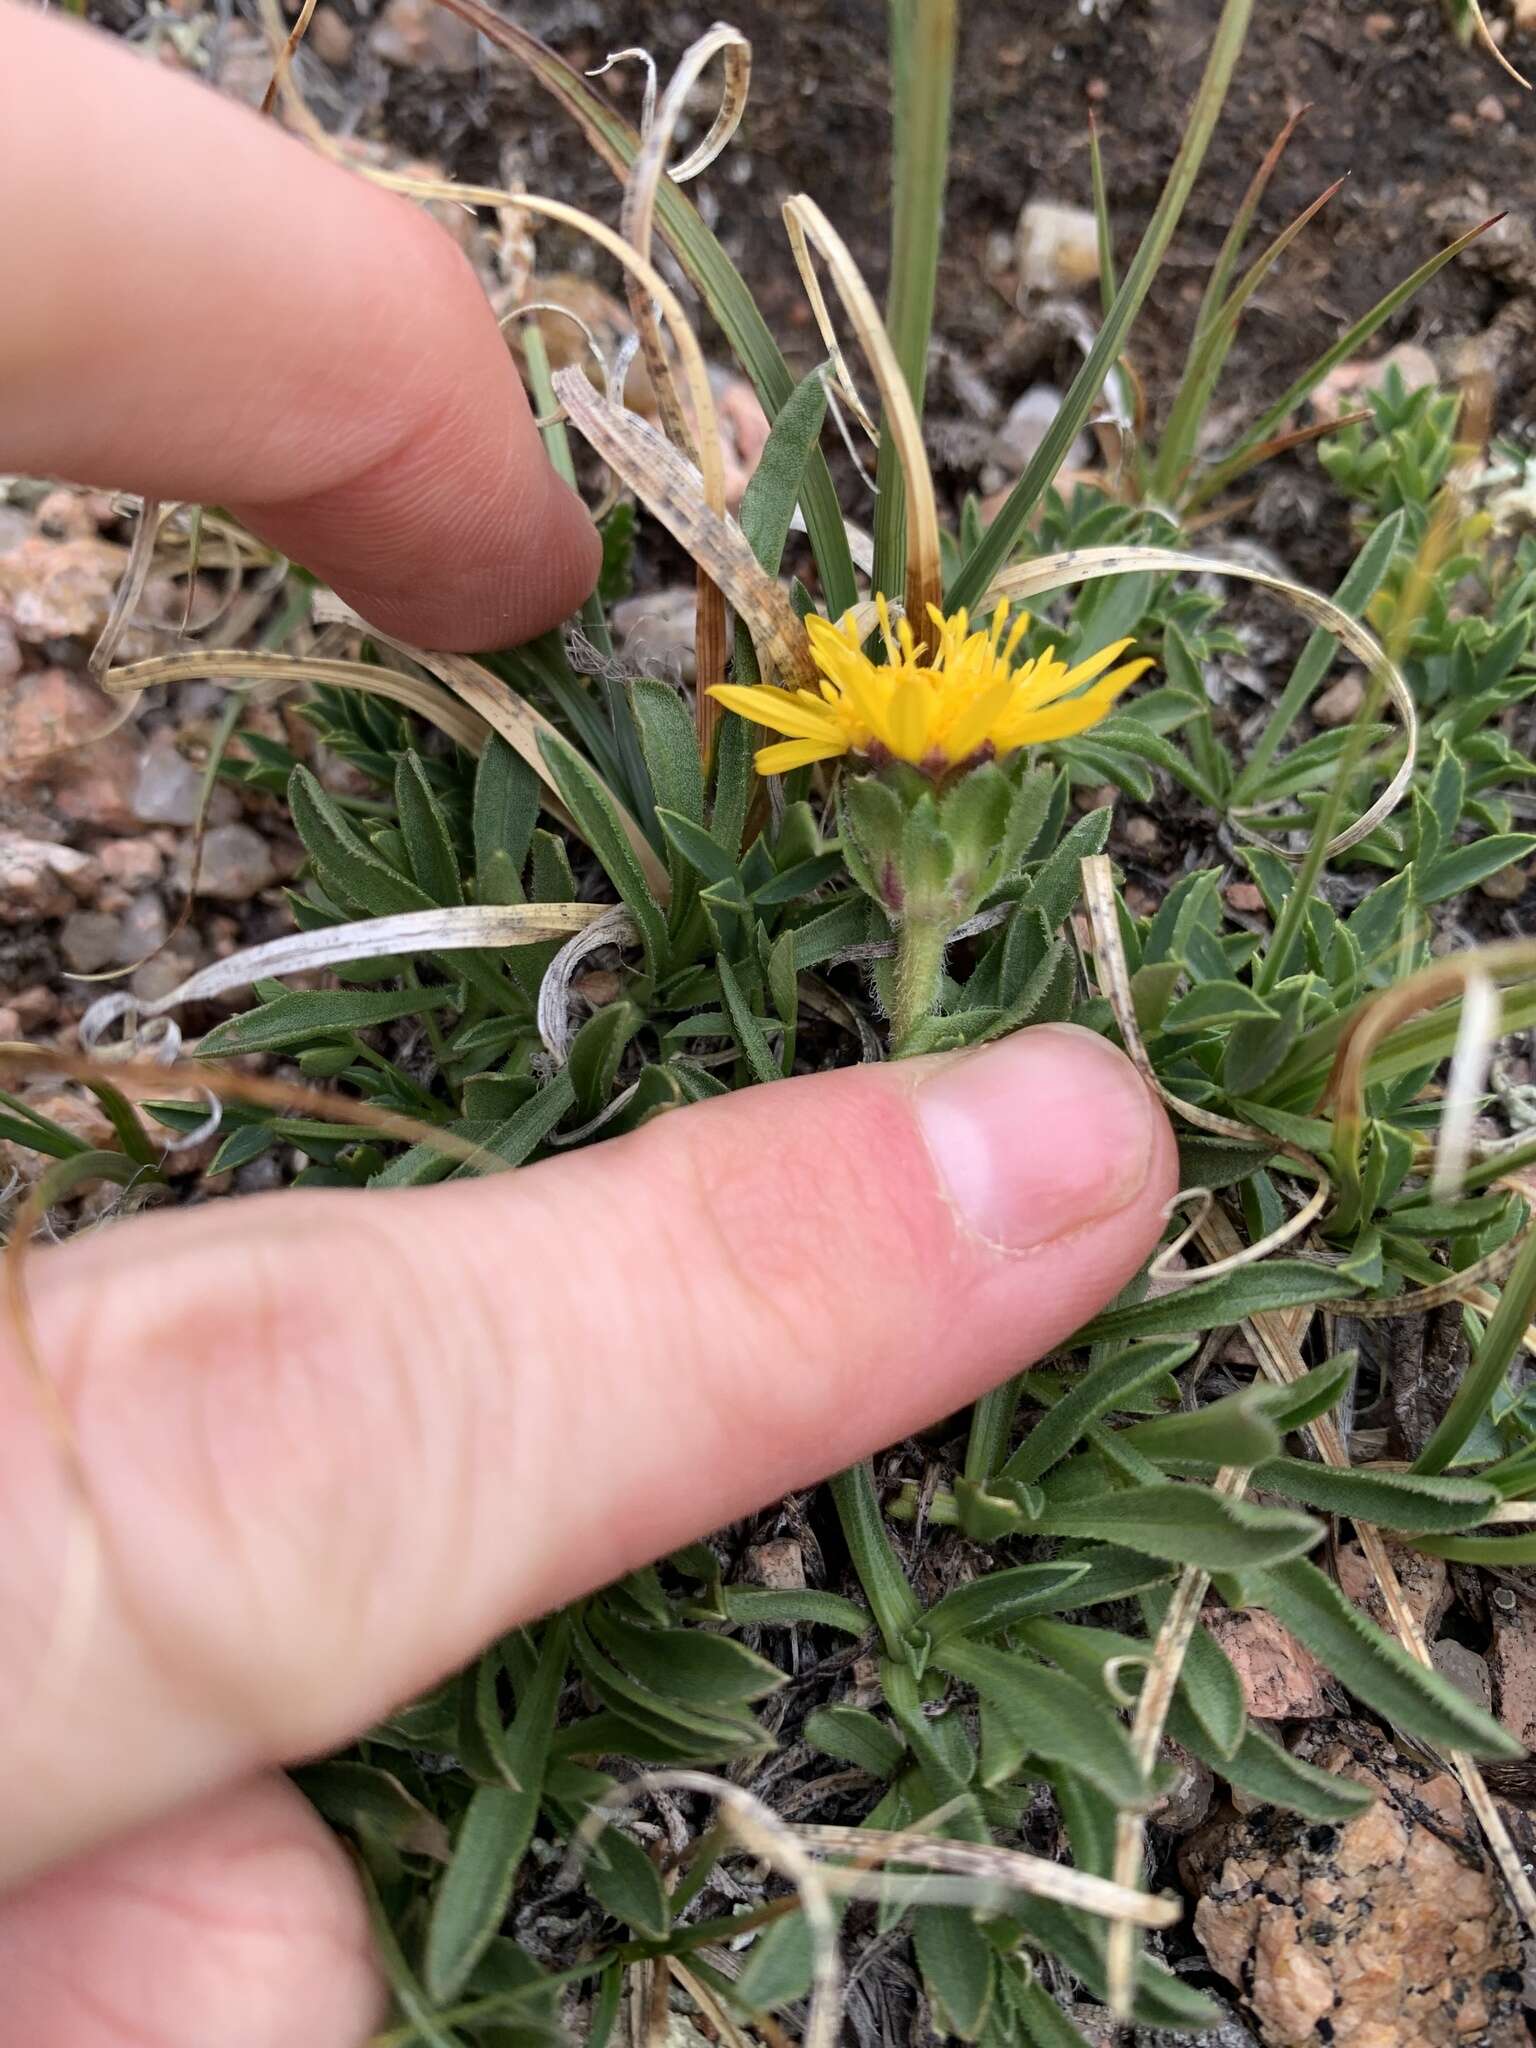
810, 229
1486, 38
669, 488
1087, 565
291, 671
125, 599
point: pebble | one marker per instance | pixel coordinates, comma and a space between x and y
90, 940
131, 863
417, 35
1244, 896
1490, 108
41, 879
1026, 426
144, 927
1507, 886
1392, 1929
1465, 1669
168, 786
1340, 702
1281, 1679
10, 1026
655, 632
1425, 1582
1056, 247
1344, 389
60, 589
1141, 832
780, 1565
236, 864
330, 38
157, 977
35, 1005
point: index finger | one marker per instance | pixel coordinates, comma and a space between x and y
196, 306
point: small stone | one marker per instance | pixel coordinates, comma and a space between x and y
10, 1025
60, 589
655, 632
330, 38
35, 1006
156, 978
1138, 901
1465, 1669
1056, 247
1094, 796
1460, 122
599, 986
1029, 420
1524, 16
46, 713
1507, 886
235, 864
1281, 1679
1377, 27
1246, 897
144, 927
1425, 1582
1340, 702
168, 786
65, 514
1513, 1664
743, 433
131, 863
779, 1565
1391, 1929
89, 941
1141, 832
1189, 1801
415, 35
40, 879
1345, 389
1490, 108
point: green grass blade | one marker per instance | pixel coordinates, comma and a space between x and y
1490, 1362
1007, 529
1217, 479
922, 42
1103, 230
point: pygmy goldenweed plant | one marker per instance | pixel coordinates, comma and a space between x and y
902, 868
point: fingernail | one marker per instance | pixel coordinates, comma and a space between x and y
1040, 1135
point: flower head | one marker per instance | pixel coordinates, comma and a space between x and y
965, 702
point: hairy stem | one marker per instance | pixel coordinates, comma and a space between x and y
918, 972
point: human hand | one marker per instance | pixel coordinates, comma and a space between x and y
335, 1443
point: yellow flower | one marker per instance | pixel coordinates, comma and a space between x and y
966, 703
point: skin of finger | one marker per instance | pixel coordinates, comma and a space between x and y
336, 1442
204, 309
237, 1921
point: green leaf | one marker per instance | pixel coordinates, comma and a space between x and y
1106, 1386
957, 1962
1208, 1683
686, 1663
347, 866
600, 825
1504, 1552
779, 1966
303, 1014
993, 1603
624, 1881
356, 1795
855, 1737
670, 746
1393, 1500
1264, 1770
1055, 888
506, 810
1377, 1670
1187, 1525
493, 1836
1463, 867
1049, 1715
424, 828
596, 1052
1210, 1304
1257, 1049
750, 1037
1212, 1004
1291, 1407
1235, 1431
760, 1607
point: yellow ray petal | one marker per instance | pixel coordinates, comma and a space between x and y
800, 715
786, 754
1060, 721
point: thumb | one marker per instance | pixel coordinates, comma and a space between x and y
335, 1443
